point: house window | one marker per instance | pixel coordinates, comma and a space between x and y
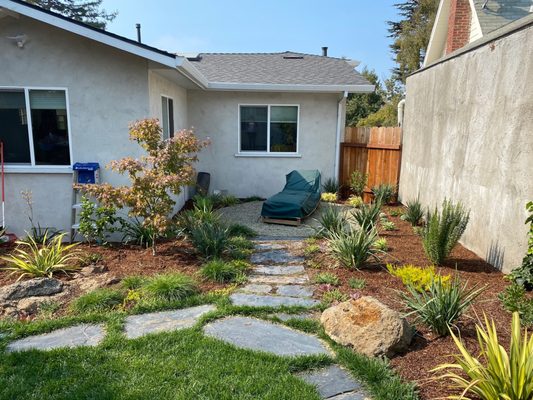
268, 128
167, 117
37, 138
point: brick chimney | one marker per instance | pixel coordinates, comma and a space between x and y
458, 25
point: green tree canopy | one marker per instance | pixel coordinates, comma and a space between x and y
87, 11
360, 105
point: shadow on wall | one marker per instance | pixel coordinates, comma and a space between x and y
495, 255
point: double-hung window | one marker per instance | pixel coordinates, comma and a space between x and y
167, 117
268, 128
34, 127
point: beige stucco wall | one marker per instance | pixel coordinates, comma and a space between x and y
468, 136
107, 90
215, 115
160, 86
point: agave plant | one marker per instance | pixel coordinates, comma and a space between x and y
44, 259
496, 374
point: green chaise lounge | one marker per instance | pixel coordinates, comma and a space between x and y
298, 199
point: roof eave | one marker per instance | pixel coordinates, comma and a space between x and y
269, 87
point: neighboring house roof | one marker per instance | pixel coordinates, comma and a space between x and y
487, 16
246, 72
277, 68
493, 14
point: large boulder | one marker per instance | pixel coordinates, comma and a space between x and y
368, 326
30, 288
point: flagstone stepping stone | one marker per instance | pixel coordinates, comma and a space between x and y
279, 270
332, 381
79, 335
144, 324
295, 291
269, 246
256, 300
279, 279
274, 257
253, 288
351, 396
255, 334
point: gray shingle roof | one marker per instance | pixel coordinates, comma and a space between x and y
498, 13
277, 68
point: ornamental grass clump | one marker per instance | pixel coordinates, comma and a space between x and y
413, 212
33, 259
331, 221
155, 178
384, 193
210, 240
442, 305
443, 230
367, 215
221, 271
494, 374
331, 185
353, 247
171, 287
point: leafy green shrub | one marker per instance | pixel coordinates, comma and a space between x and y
331, 221
355, 201
171, 287
209, 239
353, 247
96, 222
514, 299
329, 197
334, 295
442, 305
228, 200
388, 225
239, 247
496, 374
48, 308
327, 278
358, 181
443, 230
311, 249
418, 278
397, 212
98, 300
367, 215
241, 230
413, 212
381, 244
356, 283
221, 271
133, 282
90, 258
34, 259
331, 185
136, 232
524, 274
384, 193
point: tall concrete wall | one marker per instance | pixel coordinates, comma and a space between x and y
468, 136
215, 115
107, 89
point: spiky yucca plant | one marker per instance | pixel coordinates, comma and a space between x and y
496, 374
413, 212
443, 230
331, 221
367, 215
353, 247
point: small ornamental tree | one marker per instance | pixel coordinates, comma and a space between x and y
167, 167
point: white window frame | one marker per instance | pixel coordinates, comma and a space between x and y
168, 116
267, 153
32, 167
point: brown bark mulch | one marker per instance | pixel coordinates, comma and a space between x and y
427, 350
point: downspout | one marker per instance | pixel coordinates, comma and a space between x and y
401, 108
340, 119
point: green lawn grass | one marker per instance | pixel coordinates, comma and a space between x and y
175, 365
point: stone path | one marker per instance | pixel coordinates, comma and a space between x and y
278, 279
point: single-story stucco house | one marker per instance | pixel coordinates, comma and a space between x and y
68, 92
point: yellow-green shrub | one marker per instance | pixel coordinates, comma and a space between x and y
419, 278
355, 201
329, 197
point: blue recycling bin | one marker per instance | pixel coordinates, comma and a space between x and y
87, 172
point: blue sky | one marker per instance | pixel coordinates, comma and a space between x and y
355, 29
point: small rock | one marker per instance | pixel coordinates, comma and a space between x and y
112, 281
252, 288
279, 279
30, 288
367, 325
93, 269
331, 381
30, 305
256, 300
90, 283
279, 270
295, 291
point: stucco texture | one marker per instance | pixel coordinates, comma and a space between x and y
107, 90
215, 115
468, 137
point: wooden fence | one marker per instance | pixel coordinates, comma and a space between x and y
374, 151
